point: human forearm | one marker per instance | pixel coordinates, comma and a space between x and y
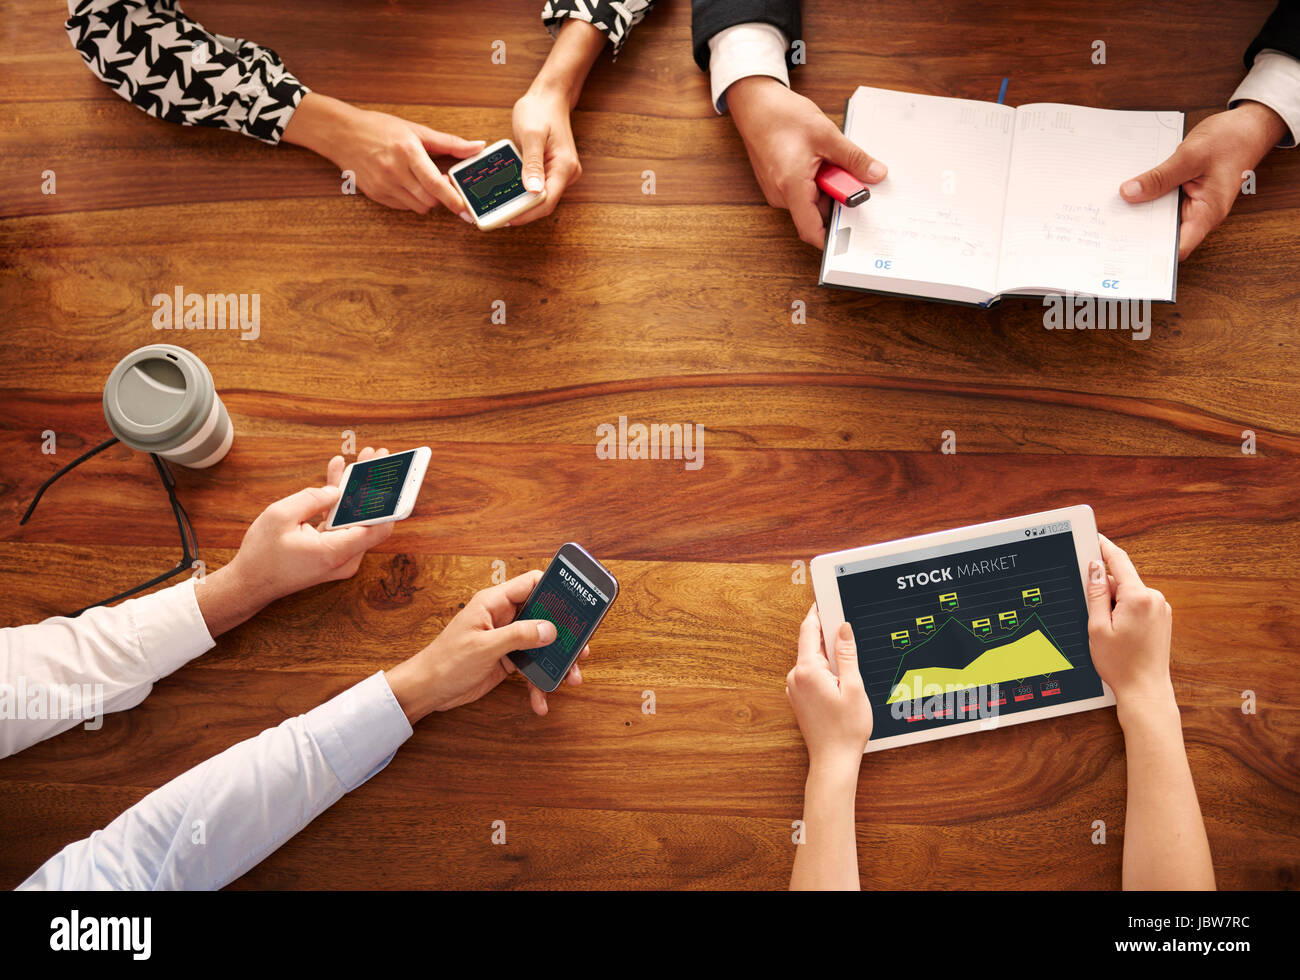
828, 857
211, 824
1165, 846
576, 49
321, 124
227, 599
135, 47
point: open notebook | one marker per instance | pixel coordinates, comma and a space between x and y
985, 200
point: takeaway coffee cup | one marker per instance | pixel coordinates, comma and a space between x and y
161, 399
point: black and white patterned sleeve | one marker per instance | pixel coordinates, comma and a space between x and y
158, 59
613, 18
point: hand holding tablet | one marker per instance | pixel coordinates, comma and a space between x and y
963, 630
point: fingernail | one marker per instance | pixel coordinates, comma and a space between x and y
1096, 572
466, 217
877, 170
1131, 188
545, 632
533, 183
846, 631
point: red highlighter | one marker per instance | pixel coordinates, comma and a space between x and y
842, 185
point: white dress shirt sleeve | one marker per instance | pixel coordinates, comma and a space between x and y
210, 825
1274, 80
744, 50
61, 672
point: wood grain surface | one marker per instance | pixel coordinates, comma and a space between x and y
675, 307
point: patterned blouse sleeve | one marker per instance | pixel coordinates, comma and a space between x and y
159, 60
613, 18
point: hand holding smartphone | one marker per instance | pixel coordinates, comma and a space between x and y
492, 185
574, 594
380, 489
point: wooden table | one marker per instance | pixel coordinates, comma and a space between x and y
675, 307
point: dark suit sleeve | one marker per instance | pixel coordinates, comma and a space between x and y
708, 17
1281, 32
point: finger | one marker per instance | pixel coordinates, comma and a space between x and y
586, 652
544, 206
523, 634
1182, 166
305, 504
399, 199
503, 601
413, 187
346, 543
824, 208
439, 143
574, 676
843, 152
1119, 565
334, 471
812, 650
1098, 596
538, 699
1196, 224
435, 183
806, 215
846, 658
533, 147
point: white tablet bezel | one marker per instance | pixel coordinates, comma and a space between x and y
1083, 526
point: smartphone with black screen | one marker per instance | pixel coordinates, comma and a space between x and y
574, 594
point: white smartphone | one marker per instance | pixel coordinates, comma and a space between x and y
492, 185
381, 489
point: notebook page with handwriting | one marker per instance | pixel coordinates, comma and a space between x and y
933, 226
1066, 227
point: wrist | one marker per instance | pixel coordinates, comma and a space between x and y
576, 48
834, 771
1267, 127
413, 689
744, 93
226, 599
318, 123
1153, 706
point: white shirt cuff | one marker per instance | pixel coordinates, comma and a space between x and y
744, 50
360, 730
1274, 80
170, 627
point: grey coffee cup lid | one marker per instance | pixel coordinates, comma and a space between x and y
158, 397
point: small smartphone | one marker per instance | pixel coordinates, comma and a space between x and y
574, 593
380, 489
492, 185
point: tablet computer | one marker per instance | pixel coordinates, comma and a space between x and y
970, 629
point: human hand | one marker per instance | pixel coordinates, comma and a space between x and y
787, 137
545, 138
1209, 164
1129, 630
471, 655
283, 551
390, 156
833, 712
541, 117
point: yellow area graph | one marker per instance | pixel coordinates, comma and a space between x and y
1029, 656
